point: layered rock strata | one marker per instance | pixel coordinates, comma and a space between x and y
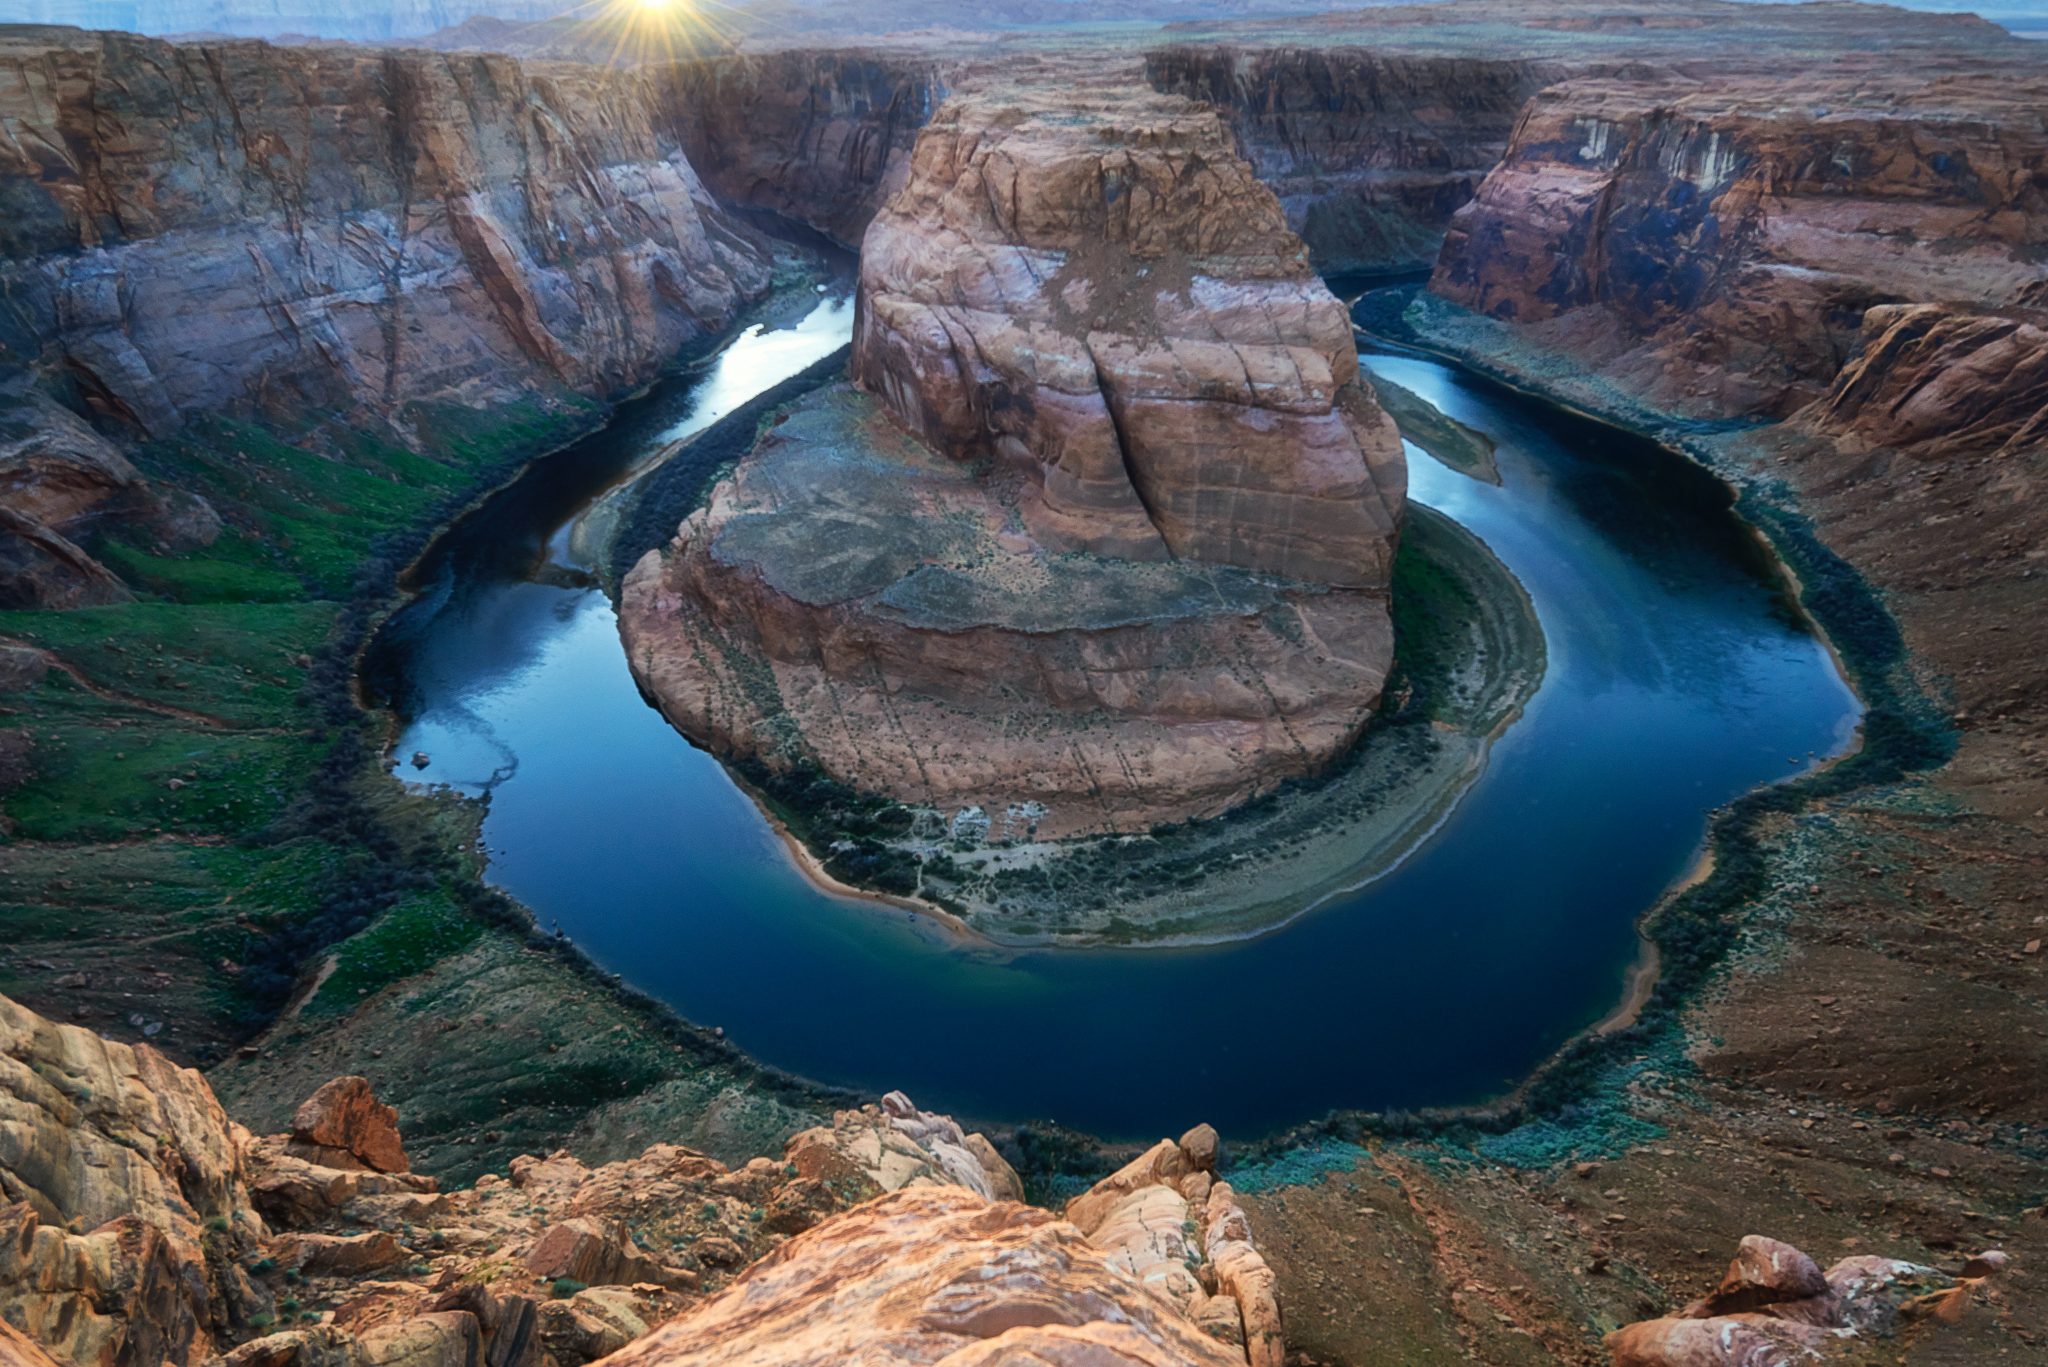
134, 1239
822, 138
1716, 246
1110, 543
1370, 152
357, 228
299, 233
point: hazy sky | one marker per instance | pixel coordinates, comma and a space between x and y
373, 19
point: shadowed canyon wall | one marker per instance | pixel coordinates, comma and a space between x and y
819, 137
1370, 152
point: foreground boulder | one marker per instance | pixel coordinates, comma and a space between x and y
1775, 1308
123, 1202
343, 1125
928, 1274
1102, 541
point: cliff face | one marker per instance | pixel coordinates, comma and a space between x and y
823, 138
1370, 152
1110, 544
1717, 246
192, 228
353, 229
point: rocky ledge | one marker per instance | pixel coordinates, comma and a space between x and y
141, 1227
1105, 541
144, 1228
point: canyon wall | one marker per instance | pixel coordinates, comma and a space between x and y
1370, 152
309, 233
1717, 246
1106, 541
821, 137
356, 229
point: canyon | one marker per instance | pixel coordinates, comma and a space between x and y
1177, 558
255, 294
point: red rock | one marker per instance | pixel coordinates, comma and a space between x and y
1721, 1342
931, 1273
1131, 565
1765, 1273
343, 1125
1714, 246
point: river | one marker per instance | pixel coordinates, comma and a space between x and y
1679, 677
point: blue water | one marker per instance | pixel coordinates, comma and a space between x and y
1678, 679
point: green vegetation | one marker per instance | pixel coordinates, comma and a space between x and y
191, 802
410, 938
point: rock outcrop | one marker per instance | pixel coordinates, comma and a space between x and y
343, 1125
822, 138
1110, 544
358, 229
1715, 246
132, 1240
931, 1275
1166, 1219
1775, 1307
123, 1200
1370, 152
895, 1145
1937, 379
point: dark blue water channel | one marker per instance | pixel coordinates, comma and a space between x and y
1678, 678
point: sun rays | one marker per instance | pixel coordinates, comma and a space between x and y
654, 30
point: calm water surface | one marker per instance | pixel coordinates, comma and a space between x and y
1678, 679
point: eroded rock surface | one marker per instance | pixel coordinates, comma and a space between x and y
1370, 152
1715, 246
369, 227
1108, 545
892, 1235
822, 138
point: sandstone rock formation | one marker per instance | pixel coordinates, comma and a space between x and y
895, 1145
1102, 296
1715, 246
1166, 1220
309, 233
1129, 563
1940, 380
1775, 1307
1370, 152
370, 228
822, 138
343, 1125
892, 1235
119, 1176
934, 1275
